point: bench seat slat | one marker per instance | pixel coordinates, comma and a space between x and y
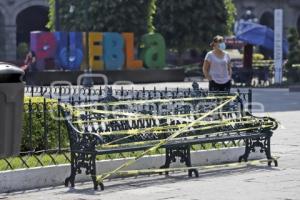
182, 142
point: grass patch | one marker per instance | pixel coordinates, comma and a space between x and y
31, 161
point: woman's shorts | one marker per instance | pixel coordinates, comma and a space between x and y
213, 86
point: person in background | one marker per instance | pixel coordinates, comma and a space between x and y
29, 62
217, 67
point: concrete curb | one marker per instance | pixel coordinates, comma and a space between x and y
294, 88
25, 179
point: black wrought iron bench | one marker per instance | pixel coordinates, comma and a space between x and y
174, 124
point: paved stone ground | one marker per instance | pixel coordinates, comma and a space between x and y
251, 182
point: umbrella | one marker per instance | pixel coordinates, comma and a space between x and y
257, 34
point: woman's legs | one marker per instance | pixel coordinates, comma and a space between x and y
211, 85
227, 86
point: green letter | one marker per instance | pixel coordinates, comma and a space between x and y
153, 51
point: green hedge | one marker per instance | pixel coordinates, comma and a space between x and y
39, 117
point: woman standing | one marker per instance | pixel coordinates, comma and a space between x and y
217, 67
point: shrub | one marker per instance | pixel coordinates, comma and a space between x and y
293, 73
40, 130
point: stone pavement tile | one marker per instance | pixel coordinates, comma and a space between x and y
253, 182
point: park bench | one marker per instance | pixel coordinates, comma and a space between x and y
172, 122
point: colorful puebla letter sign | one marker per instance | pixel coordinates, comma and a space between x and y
107, 51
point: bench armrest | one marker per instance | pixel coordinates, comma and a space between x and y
89, 141
268, 120
95, 136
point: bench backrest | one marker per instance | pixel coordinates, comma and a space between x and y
107, 119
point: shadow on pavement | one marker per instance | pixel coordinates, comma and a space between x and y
117, 185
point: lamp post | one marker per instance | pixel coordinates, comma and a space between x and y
248, 16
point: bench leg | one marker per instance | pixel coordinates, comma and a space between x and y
265, 147
247, 151
93, 173
71, 178
268, 152
167, 162
185, 157
87, 161
188, 163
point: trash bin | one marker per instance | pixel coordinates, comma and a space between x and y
11, 109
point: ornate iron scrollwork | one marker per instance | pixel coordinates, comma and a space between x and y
83, 156
264, 145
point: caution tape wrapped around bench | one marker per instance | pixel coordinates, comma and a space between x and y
174, 123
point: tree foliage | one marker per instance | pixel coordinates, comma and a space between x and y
51, 22
293, 56
231, 13
184, 24
193, 23
102, 16
294, 48
151, 13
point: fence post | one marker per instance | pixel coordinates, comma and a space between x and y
30, 123
45, 124
89, 95
59, 125
250, 101
31, 90
240, 100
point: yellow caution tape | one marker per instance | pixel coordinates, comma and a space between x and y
141, 116
155, 101
158, 129
175, 130
202, 168
152, 142
100, 178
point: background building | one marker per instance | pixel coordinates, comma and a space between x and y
263, 10
19, 17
